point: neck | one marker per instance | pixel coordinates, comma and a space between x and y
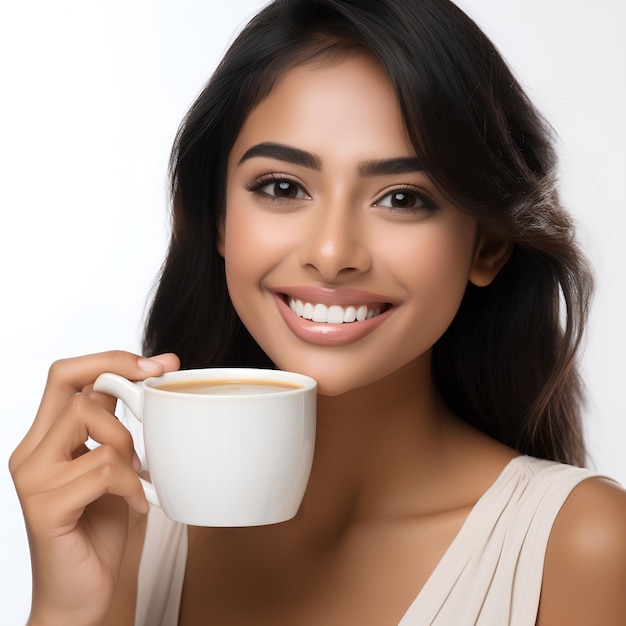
376, 450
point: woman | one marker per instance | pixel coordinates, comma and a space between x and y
362, 193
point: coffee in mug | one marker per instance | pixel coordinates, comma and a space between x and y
224, 446
228, 386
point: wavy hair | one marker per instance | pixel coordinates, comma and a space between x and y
508, 362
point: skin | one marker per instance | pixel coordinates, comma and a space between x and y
76, 502
338, 233
395, 472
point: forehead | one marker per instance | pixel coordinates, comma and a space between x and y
346, 105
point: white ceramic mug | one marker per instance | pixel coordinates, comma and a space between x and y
224, 457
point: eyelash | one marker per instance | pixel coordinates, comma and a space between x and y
256, 186
427, 203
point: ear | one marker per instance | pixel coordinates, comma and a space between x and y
492, 253
221, 247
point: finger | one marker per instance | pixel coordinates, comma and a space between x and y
103, 455
70, 376
170, 363
104, 400
113, 479
55, 460
83, 419
56, 512
169, 360
83, 449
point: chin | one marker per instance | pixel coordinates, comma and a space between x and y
331, 390
332, 386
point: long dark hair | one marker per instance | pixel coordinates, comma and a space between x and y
507, 364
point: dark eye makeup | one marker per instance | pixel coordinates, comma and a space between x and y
278, 187
406, 199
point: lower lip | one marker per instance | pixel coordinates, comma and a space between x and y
323, 334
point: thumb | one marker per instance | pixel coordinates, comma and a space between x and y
169, 362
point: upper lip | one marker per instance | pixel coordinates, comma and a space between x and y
340, 296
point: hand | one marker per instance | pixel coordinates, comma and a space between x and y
75, 500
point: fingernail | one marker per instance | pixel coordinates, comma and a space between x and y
136, 463
147, 365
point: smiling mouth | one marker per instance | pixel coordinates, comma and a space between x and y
334, 313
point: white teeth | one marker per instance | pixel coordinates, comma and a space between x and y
333, 314
320, 313
349, 314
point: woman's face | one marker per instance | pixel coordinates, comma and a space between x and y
343, 260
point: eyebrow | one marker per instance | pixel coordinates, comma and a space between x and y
283, 153
384, 167
375, 167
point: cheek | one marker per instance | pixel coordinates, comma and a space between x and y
240, 247
248, 253
448, 266
253, 246
435, 273
438, 260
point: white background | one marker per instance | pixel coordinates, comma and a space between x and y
92, 94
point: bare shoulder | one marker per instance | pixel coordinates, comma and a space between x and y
585, 567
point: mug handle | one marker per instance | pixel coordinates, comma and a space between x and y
131, 395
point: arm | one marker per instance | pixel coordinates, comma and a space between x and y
584, 582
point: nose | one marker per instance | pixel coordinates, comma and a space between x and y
335, 244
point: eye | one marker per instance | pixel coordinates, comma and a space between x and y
275, 188
405, 200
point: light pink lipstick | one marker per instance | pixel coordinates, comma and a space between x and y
332, 334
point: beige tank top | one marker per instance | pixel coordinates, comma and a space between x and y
490, 574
